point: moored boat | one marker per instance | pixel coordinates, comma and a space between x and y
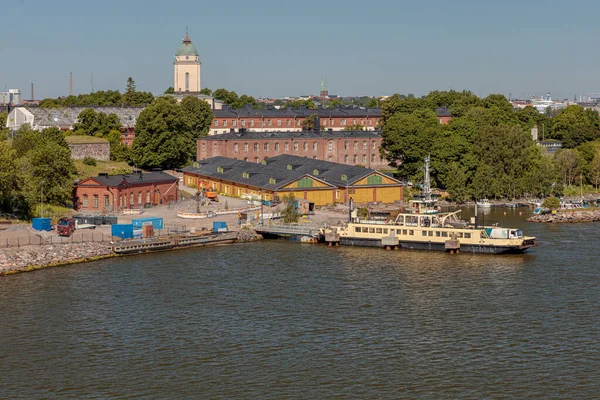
484, 203
425, 227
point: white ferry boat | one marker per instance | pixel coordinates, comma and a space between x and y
425, 227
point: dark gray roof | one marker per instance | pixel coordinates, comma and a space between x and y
67, 116
134, 179
443, 112
296, 135
248, 111
259, 175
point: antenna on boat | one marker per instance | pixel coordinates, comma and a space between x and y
427, 183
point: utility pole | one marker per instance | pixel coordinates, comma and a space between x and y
42, 199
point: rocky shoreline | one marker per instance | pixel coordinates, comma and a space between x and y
33, 257
567, 217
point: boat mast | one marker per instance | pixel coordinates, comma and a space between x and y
427, 183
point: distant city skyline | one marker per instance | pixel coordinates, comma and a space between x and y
282, 48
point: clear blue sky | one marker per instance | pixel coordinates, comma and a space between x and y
279, 47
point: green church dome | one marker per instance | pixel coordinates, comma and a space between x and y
187, 48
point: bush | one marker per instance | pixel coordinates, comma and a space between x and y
89, 161
552, 203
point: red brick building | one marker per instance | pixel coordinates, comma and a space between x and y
106, 194
289, 120
344, 147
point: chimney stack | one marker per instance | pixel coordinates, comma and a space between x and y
32, 96
317, 125
70, 84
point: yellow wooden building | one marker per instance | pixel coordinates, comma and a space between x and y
320, 182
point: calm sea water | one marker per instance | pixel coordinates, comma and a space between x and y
275, 320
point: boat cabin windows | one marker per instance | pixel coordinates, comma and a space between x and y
411, 232
357, 229
378, 230
371, 230
430, 233
424, 233
459, 235
385, 231
412, 220
444, 234
404, 231
425, 221
467, 236
438, 233
400, 220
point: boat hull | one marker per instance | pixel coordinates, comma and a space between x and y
464, 248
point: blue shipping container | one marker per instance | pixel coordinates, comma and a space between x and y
124, 231
219, 226
41, 224
157, 222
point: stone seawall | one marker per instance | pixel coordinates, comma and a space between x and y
28, 258
567, 217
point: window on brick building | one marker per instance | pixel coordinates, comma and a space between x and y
106, 201
216, 122
251, 122
355, 145
203, 146
245, 158
276, 146
298, 122
353, 122
305, 146
268, 122
364, 158
343, 122
255, 146
324, 122
286, 147
235, 148
330, 145
330, 159
295, 146
346, 145
314, 157
278, 122
139, 198
245, 147
346, 159
243, 122
262, 122
233, 122
95, 201
373, 145
85, 200
266, 146
147, 196
315, 146
355, 159
287, 123
130, 199
256, 160
364, 145
224, 122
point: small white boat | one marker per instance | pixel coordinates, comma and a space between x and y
484, 203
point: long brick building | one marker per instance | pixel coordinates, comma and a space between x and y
344, 147
289, 120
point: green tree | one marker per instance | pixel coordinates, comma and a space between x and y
373, 103
290, 212
3, 130
595, 169
163, 138
408, 139
308, 123
94, 123
206, 91
568, 163
48, 165
10, 177
169, 90
25, 140
198, 116
130, 95
354, 127
118, 151
552, 203
575, 125
457, 183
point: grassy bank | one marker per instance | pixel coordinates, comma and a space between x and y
112, 167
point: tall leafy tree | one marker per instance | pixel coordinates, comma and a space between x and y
198, 116
10, 177
130, 95
94, 123
163, 138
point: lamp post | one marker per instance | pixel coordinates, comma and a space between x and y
42, 199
